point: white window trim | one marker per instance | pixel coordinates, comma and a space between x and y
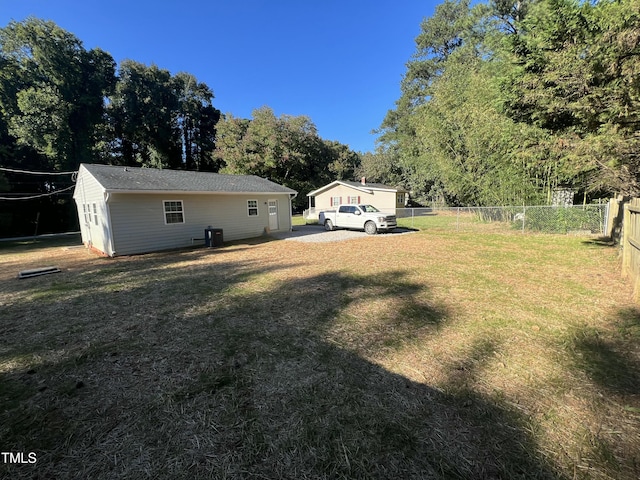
164, 212
256, 208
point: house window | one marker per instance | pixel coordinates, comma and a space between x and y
95, 214
354, 200
173, 211
336, 201
252, 208
87, 212
400, 199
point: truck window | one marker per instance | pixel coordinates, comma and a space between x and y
369, 208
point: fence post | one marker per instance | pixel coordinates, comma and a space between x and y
524, 216
626, 246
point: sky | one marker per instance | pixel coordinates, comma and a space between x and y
338, 62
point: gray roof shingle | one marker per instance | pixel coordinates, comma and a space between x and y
130, 179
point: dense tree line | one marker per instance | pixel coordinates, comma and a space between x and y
505, 101
62, 105
284, 149
502, 103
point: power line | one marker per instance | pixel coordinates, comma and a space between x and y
36, 173
39, 196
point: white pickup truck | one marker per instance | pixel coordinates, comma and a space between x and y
358, 217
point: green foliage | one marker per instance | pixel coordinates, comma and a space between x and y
53, 90
196, 119
52, 100
468, 145
562, 219
380, 167
505, 101
576, 75
285, 149
142, 110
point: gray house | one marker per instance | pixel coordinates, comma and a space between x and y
126, 210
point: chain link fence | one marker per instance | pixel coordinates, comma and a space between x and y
574, 219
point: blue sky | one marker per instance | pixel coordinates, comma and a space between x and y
338, 62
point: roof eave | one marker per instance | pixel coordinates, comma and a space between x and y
338, 182
193, 192
362, 188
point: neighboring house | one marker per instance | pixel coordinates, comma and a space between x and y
127, 210
339, 192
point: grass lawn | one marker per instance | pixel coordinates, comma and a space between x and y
298, 220
475, 354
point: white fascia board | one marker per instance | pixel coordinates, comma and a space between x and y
189, 192
322, 189
338, 182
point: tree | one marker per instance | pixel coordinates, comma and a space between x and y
142, 111
470, 150
53, 90
284, 149
380, 167
451, 28
268, 146
503, 102
52, 95
577, 76
196, 119
342, 161
160, 120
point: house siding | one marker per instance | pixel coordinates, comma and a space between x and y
138, 222
94, 224
382, 200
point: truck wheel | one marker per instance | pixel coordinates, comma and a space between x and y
328, 225
370, 228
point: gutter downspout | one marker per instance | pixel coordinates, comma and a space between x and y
110, 246
293, 195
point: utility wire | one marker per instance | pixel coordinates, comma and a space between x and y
35, 173
39, 196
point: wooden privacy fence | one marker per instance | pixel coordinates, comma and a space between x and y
631, 243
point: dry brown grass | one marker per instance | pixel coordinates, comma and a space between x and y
431, 355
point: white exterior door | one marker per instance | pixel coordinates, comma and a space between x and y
273, 215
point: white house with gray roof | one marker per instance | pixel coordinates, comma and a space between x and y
128, 210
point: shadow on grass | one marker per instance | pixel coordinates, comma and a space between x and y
600, 242
239, 370
607, 357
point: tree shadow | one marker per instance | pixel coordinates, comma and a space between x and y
238, 377
600, 242
607, 358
